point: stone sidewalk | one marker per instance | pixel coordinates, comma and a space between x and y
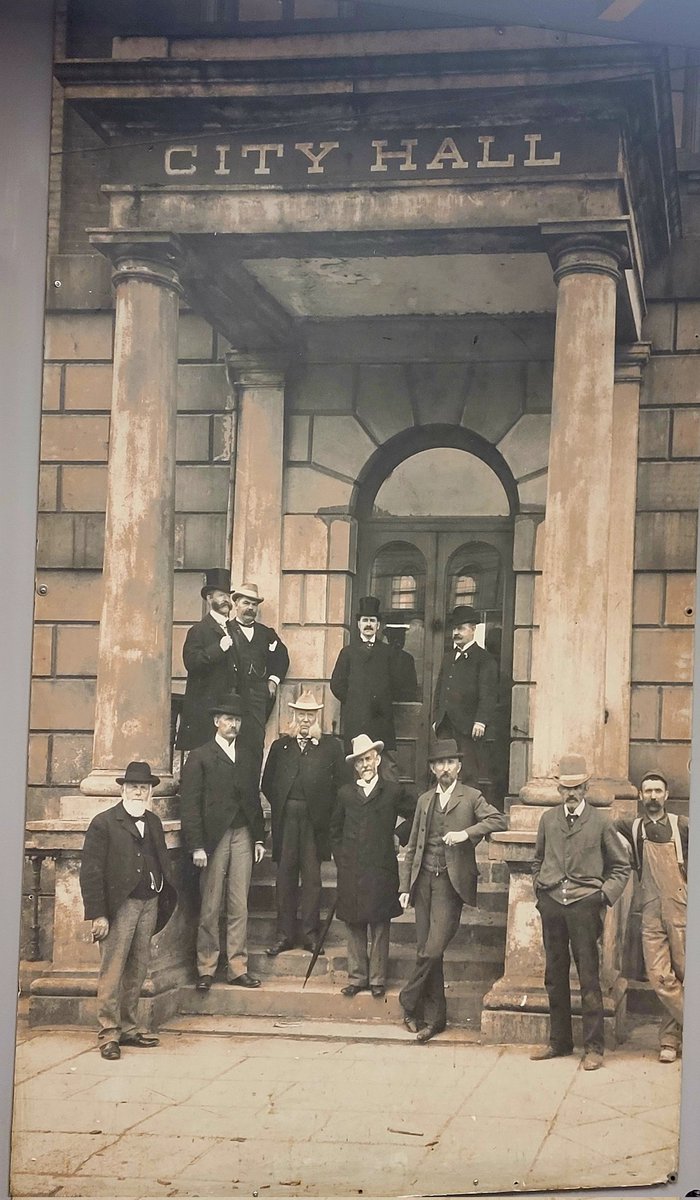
266, 1109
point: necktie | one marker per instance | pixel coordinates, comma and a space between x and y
303, 742
571, 817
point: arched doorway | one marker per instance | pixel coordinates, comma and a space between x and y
436, 530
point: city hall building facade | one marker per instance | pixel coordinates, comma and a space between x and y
357, 308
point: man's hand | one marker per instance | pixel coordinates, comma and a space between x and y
226, 642
454, 838
478, 730
403, 899
199, 858
272, 688
259, 852
100, 929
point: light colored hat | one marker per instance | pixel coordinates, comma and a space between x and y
361, 744
572, 770
250, 591
306, 702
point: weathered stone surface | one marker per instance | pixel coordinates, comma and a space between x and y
195, 337
315, 589
666, 541
538, 386
223, 426
673, 485
321, 389
658, 325
680, 599
688, 325
341, 444
202, 388
201, 489
83, 489
661, 655
533, 493
179, 672
192, 440
343, 545
54, 540
383, 400
76, 649
520, 710
48, 488
520, 755
69, 592
306, 647
671, 759
648, 598
51, 387
524, 599
494, 399
74, 438
200, 539
686, 433
298, 447
335, 640
676, 713
78, 335
42, 649
187, 601
339, 590
654, 429
304, 543
439, 392
526, 446
88, 386
524, 543
290, 599
522, 655
308, 491
38, 759
62, 704
671, 379
644, 712
85, 279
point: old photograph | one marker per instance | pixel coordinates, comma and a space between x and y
357, 820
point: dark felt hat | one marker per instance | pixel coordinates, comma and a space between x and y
654, 775
218, 579
368, 607
230, 705
445, 749
464, 614
139, 772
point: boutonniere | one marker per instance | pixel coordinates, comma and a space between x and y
314, 741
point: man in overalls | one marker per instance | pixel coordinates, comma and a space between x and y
659, 845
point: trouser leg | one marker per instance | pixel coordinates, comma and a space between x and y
287, 885
585, 921
213, 881
114, 951
555, 936
656, 947
411, 994
240, 870
379, 953
358, 958
137, 965
424, 994
310, 870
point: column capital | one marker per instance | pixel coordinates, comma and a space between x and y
150, 257
263, 369
587, 247
630, 362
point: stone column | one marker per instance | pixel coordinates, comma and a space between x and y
132, 716
256, 554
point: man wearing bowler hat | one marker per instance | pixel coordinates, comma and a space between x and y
223, 830
300, 781
466, 694
365, 680
438, 877
210, 661
128, 894
263, 663
580, 868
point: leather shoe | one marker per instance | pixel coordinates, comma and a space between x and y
279, 948
668, 1054
378, 991
246, 981
411, 1023
110, 1050
424, 1035
592, 1061
311, 947
204, 983
548, 1052
352, 989
140, 1039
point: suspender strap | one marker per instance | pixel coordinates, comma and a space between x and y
638, 824
673, 818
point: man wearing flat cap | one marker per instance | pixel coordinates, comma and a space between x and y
362, 837
223, 830
580, 868
438, 877
366, 680
210, 661
128, 893
263, 663
466, 694
658, 842
300, 781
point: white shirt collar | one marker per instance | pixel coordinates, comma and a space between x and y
246, 630
229, 748
463, 649
220, 620
368, 641
577, 811
444, 797
367, 786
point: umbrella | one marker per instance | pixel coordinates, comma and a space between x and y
319, 944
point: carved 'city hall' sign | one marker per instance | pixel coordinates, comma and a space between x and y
370, 158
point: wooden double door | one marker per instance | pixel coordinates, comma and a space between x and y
420, 570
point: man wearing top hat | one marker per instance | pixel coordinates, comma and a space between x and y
128, 894
362, 837
438, 877
210, 661
300, 781
365, 680
223, 830
263, 663
466, 694
580, 868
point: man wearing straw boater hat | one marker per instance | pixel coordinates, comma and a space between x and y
438, 877
210, 661
300, 781
223, 830
580, 868
128, 893
362, 836
263, 663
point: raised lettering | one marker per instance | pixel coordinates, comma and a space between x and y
222, 169
173, 170
406, 154
533, 160
307, 148
447, 152
262, 151
486, 140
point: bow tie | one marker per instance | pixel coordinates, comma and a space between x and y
571, 817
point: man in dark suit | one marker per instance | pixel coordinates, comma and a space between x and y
263, 663
365, 680
466, 695
128, 894
439, 876
223, 830
580, 868
210, 661
300, 781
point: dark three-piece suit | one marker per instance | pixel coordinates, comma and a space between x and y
466, 691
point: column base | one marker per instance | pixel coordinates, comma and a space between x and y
70, 998
601, 791
103, 783
517, 1011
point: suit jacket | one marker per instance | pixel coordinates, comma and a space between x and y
210, 789
267, 648
323, 771
112, 864
590, 853
466, 690
366, 684
362, 835
211, 673
467, 810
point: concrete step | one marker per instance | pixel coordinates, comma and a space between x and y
468, 965
642, 1000
310, 1030
492, 897
495, 874
476, 928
